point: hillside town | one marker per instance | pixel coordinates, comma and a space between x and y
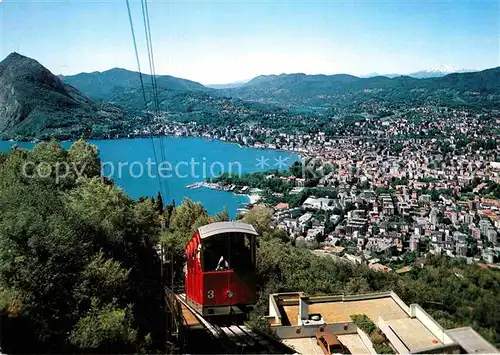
390, 227
386, 201
311, 132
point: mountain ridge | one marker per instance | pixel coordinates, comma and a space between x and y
35, 103
323, 90
103, 85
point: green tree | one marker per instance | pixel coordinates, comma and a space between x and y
85, 158
259, 217
222, 216
159, 204
105, 329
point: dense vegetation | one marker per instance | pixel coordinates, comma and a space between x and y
336, 104
198, 106
78, 266
304, 92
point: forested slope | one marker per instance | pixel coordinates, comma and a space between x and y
78, 268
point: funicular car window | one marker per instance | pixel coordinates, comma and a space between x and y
230, 250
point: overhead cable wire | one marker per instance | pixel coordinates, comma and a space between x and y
149, 45
143, 92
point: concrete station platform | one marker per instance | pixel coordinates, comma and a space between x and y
353, 343
413, 333
305, 346
308, 346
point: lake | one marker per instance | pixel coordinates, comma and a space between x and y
131, 164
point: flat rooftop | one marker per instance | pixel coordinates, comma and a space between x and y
411, 331
341, 311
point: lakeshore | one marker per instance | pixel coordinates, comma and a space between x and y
253, 195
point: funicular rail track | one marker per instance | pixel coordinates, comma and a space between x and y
236, 338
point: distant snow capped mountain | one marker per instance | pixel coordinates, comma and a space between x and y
426, 73
438, 72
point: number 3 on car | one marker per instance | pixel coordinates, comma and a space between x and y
210, 294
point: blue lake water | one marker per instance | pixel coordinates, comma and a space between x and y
185, 161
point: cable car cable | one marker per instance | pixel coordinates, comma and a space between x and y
152, 55
156, 101
143, 90
149, 45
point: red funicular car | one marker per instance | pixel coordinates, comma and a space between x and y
220, 270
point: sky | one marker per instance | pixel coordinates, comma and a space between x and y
226, 41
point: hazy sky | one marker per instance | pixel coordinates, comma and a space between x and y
225, 41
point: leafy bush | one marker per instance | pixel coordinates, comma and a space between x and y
383, 349
380, 343
362, 321
377, 338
